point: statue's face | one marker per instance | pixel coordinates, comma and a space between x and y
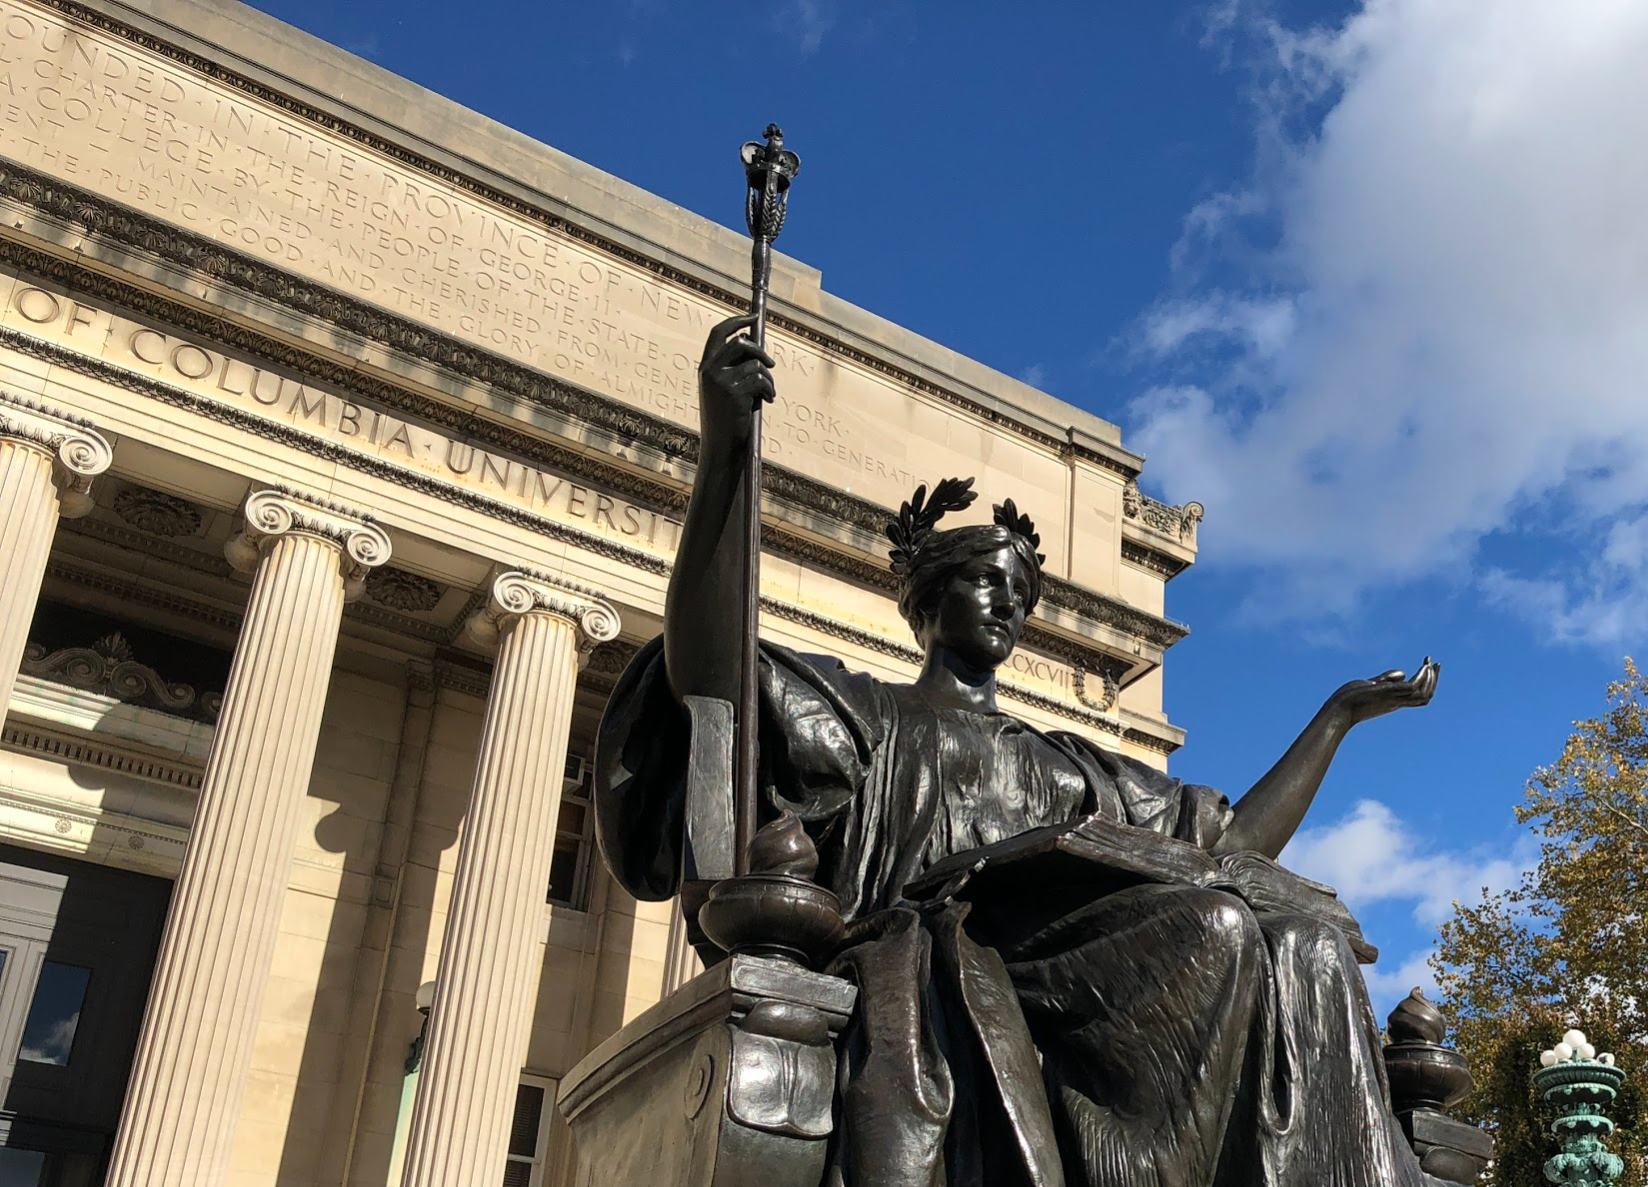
982, 609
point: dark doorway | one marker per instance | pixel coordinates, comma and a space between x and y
77, 948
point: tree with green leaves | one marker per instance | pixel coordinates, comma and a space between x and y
1567, 945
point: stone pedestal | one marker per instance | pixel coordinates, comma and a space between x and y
728, 1082
1426, 1079
492, 950
196, 1045
47, 463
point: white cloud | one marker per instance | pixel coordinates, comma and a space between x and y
1373, 856
1422, 319
805, 20
1389, 982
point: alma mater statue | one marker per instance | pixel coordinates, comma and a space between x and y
1209, 1030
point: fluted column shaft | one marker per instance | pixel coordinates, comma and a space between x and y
187, 1080
491, 953
47, 462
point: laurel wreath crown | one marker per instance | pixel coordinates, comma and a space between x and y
918, 518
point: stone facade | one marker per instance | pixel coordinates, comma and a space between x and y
344, 440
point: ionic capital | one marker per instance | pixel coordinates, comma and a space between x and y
274, 512
77, 450
519, 592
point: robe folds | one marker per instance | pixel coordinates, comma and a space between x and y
1150, 1036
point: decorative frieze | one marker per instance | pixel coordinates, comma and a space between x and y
810, 497
109, 667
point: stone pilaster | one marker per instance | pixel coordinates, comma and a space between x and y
187, 1079
47, 463
492, 950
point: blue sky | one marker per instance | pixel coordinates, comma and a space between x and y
1369, 281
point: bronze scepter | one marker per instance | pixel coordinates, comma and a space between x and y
768, 170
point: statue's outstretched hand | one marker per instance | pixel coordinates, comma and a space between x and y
1362, 700
733, 377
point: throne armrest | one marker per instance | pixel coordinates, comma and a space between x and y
728, 1082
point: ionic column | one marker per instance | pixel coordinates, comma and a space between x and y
492, 951
187, 1079
47, 463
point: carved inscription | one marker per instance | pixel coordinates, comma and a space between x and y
1027, 667
58, 317
132, 126
65, 319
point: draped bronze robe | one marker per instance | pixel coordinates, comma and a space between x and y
1157, 1036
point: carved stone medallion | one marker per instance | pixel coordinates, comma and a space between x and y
396, 589
157, 513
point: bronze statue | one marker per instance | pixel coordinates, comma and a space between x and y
1071, 968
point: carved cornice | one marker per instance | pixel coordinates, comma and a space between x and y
1160, 563
70, 748
346, 377
135, 593
420, 676
95, 528
462, 675
274, 512
77, 451
362, 611
519, 592
1161, 632
1149, 741
809, 495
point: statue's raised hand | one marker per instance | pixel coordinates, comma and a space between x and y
1361, 700
734, 376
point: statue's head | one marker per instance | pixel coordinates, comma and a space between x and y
969, 588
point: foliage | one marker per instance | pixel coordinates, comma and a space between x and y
1567, 946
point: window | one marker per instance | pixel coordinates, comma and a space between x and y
569, 865
54, 1014
21, 1168
529, 1133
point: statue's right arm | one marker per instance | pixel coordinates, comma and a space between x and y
703, 609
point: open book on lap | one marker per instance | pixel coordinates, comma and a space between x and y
1044, 870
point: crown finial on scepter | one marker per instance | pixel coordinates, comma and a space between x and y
768, 169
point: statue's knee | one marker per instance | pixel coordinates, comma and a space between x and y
1303, 934
1227, 922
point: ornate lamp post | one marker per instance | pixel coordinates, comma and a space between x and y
1579, 1083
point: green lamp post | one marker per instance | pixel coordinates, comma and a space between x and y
1580, 1083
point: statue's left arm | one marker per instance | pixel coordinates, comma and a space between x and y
1265, 819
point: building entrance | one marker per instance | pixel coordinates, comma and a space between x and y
77, 947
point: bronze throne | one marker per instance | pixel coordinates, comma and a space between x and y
729, 1081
